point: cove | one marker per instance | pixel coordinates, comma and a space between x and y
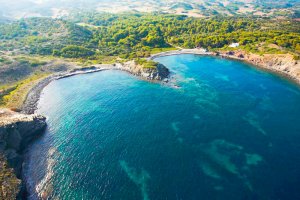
229, 132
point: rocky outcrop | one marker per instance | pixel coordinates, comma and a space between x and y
158, 72
281, 63
16, 132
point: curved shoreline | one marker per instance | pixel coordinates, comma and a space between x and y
294, 78
244, 57
73, 79
33, 96
31, 102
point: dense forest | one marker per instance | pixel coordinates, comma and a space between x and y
88, 35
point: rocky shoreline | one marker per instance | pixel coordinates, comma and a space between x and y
281, 64
159, 74
32, 98
16, 132
24, 127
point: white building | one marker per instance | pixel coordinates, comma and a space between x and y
234, 45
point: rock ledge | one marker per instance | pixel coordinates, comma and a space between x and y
16, 132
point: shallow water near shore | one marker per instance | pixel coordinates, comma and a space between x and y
229, 132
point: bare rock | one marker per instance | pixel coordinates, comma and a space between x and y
159, 72
16, 132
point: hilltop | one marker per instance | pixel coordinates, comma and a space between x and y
195, 8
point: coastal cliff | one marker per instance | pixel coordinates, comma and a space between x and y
284, 64
16, 132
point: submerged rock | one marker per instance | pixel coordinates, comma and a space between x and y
139, 178
16, 132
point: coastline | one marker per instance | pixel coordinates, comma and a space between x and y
280, 69
289, 69
30, 104
180, 52
32, 125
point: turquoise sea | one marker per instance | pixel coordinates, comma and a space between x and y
229, 132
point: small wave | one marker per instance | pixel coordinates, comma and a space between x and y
44, 188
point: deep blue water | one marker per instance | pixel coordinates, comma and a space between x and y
229, 132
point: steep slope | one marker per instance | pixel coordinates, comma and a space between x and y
16, 132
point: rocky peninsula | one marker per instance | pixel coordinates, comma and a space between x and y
157, 73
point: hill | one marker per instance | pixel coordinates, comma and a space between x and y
196, 8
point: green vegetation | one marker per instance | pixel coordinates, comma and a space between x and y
41, 35
4, 61
32, 62
19, 67
10, 185
30, 47
92, 35
146, 63
73, 51
14, 96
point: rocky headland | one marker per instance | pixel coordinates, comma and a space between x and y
16, 132
157, 73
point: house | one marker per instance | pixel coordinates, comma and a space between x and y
234, 45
